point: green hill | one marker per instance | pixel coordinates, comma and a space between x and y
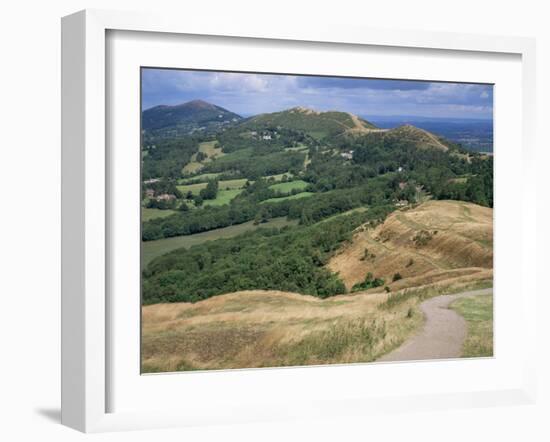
318, 125
186, 118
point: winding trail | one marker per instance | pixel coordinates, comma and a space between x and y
443, 333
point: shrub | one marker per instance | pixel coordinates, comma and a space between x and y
369, 283
397, 277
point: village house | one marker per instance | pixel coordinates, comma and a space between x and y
152, 181
347, 155
149, 193
166, 197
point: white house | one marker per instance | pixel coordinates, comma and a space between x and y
347, 155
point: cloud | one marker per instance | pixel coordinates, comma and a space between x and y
252, 93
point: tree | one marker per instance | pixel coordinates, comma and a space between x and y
210, 192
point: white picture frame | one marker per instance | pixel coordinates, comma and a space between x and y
86, 317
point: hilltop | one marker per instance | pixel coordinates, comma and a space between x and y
422, 138
181, 119
317, 124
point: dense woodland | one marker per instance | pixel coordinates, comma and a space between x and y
267, 168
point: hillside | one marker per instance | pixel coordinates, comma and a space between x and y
436, 241
422, 138
318, 125
267, 328
196, 115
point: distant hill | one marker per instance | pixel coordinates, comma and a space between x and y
472, 134
422, 138
186, 118
317, 124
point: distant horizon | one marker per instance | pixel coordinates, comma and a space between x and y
249, 94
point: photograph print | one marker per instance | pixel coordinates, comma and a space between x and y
298, 220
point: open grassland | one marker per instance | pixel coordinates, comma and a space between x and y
223, 197
148, 213
192, 167
260, 328
289, 186
222, 185
279, 176
152, 249
232, 184
270, 328
434, 242
289, 197
478, 312
208, 148
211, 150
202, 178
193, 188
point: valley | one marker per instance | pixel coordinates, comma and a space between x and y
301, 237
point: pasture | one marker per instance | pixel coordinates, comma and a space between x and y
148, 213
289, 186
152, 249
224, 197
289, 197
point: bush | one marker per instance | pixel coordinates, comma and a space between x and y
397, 277
369, 283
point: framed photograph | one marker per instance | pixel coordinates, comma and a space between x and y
266, 223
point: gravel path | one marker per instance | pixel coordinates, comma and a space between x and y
443, 333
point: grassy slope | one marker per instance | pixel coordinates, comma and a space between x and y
478, 312
223, 197
267, 328
202, 177
289, 186
316, 124
270, 328
148, 213
458, 245
152, 249
222, 185
260, 328
290, 197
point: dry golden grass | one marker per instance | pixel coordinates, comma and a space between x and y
270, 328
261, 328
434, 242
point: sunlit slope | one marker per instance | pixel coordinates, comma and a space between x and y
436, 241
316, 124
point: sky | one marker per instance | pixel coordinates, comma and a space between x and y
250, 94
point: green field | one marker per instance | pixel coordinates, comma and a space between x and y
211, 149
279, 176
191, 168
478, 312
152, 249
289, 186
194, 188
224, 197
202, 177
297, 148
147, 213
222, 185
290, 197
232, 184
